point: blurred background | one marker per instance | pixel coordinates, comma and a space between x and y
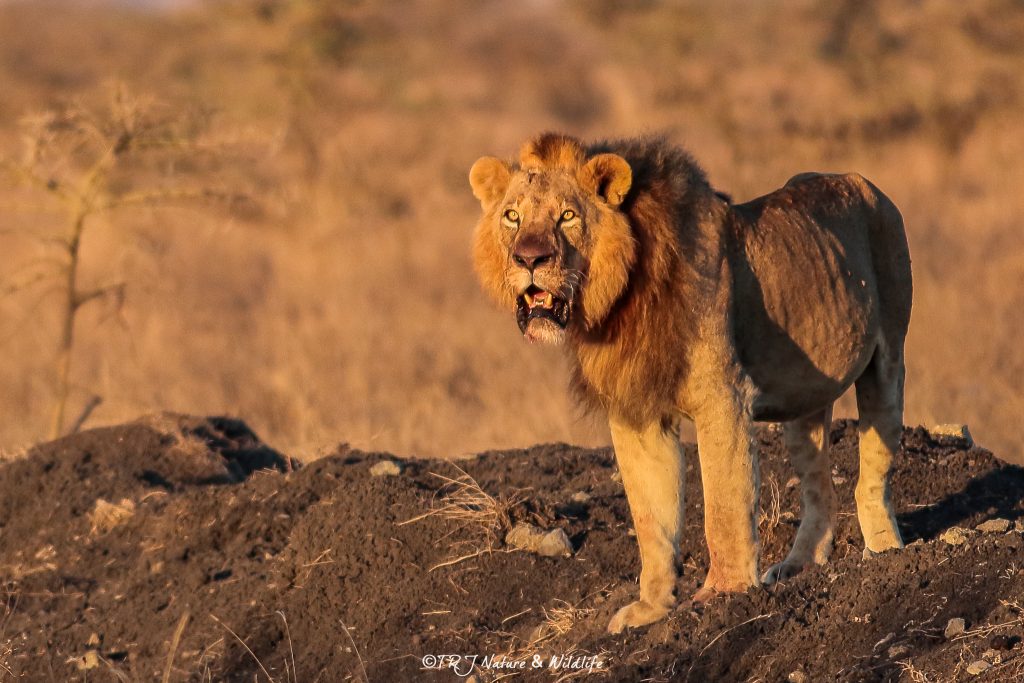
286, 236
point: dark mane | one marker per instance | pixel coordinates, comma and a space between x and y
643, 337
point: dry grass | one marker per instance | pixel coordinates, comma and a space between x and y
463, 502
911, 673
290, 671
559, 620
771, 511
989, 629
345, 309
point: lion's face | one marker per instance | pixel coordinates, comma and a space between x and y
552, 243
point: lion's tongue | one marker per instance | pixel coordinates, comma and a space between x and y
539, 298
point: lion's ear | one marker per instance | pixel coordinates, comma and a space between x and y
608, 176
489, 179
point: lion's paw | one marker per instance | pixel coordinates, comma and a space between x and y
636, 614
782, 571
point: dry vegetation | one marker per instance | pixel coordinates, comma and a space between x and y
344, 307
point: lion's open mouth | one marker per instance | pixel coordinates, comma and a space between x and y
539, 303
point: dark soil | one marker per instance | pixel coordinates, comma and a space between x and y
312, 574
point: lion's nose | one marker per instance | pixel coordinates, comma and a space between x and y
530, 253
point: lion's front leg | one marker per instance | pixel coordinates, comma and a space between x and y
729, 472
651, 462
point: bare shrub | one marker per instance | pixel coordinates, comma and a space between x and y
87, 162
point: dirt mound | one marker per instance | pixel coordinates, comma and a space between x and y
185, 547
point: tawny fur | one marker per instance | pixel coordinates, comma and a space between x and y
685, 305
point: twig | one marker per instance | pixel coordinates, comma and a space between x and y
175, 641
291, 650
355, 649
456, 560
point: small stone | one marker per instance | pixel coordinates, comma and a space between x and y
90, 660
1019, 524
580, 497
94, 640
553, 543
797, 677
954, 627
959, 432
386, 468
792, 484
978, 666
616, 476
898, 651
837, 480
994, 526
992, 656
954, 536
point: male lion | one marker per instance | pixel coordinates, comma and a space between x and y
675, 302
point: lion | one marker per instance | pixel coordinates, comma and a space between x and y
674, 303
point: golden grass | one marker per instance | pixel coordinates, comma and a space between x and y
345, 308
462, 501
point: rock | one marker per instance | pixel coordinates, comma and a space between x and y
553, 543
580, 497
792, 484
978, 666
954, 627
837, 480
797, 677
994, 526
955, 536
959, 432
1019, 524
386, 468
992, 656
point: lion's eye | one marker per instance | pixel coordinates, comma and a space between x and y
568, 215
512, 216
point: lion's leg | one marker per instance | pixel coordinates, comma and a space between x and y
880, 408
807, 443
651, 463
728, 464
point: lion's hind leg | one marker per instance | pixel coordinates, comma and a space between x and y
807, 443
880, 409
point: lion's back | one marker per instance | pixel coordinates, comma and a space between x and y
824, 274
